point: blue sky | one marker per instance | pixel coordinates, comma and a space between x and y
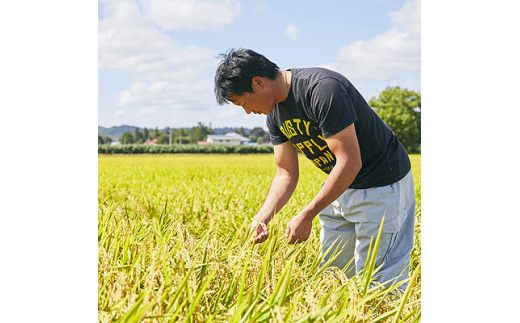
157, 58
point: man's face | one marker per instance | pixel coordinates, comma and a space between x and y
258, 102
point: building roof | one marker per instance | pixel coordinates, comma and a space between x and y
151, 142
229, 136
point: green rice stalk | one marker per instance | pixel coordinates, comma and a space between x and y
210, 318
231, 245
200, 276
251, 307
285, 282
324, 310
314, 272
199, 295
341, 313
242, 284
134, 314
117, 307
418, 317
392, 312
232, 288
294, 303
127, 243
180, 289
218, 300
199, 244
240, 308
387, 290
414, 311
267, 258
369, 272
407, 292
173, 316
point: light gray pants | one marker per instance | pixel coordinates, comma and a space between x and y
356, 216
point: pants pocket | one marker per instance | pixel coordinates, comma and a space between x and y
391, 237
370, 205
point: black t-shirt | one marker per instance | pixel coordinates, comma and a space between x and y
320, 104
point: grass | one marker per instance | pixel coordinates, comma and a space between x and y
173, 247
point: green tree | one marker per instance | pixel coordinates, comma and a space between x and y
104, 140
185, 136
146, 134
155, 133
163, 139
127, 138
138, 136
241, 131
263, 138
400, 109
256, 133
200, 132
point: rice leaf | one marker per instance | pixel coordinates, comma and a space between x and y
407, 292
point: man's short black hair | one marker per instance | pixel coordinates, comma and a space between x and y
236, 71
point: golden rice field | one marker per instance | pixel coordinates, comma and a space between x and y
173, 247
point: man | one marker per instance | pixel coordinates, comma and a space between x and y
319, 113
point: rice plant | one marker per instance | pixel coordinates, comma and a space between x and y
174, 247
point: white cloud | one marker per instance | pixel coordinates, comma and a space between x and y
127, 42
229, 112
191, 14
174, 95
292, 32
393, 56
147, 112
119, 113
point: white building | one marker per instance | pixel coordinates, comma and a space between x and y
227, 139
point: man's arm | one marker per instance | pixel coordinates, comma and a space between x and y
345, 147
281, 190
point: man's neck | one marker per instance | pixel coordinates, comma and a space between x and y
283, 85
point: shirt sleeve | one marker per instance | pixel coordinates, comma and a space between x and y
333, 109
275, 134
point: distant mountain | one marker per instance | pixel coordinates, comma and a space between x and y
117, 131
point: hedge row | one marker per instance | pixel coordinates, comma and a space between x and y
184, 149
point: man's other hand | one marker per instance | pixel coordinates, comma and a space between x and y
260, 234
298, 229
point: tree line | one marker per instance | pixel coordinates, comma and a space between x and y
399, 108
180, 136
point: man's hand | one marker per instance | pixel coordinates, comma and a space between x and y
299, 229
260, 234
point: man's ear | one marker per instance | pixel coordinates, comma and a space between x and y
257, 81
